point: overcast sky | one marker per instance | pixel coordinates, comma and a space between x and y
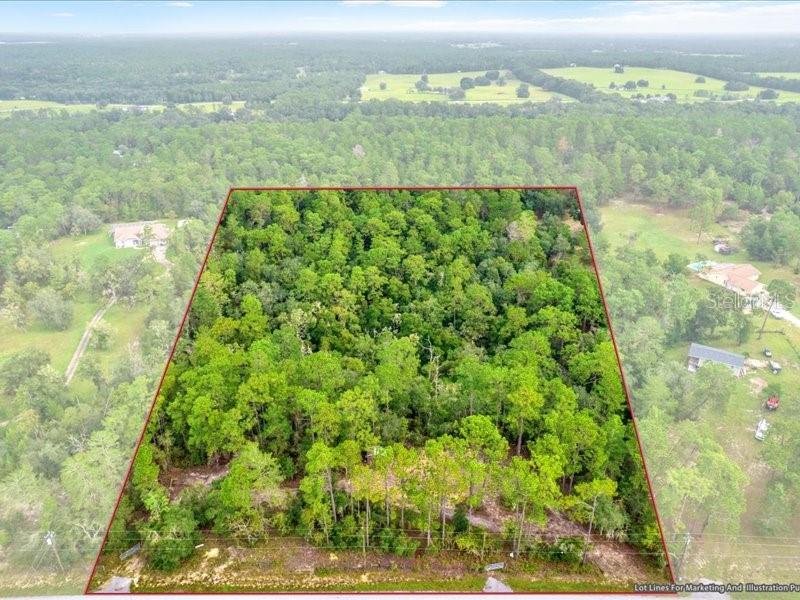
192, 17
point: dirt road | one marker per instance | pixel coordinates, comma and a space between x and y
72, 367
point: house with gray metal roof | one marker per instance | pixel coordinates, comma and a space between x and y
700, 355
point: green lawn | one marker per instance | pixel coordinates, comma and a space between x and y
784, 74
668, 232
60, 345
401, 87
9, 106
90, 247
128, 324
680, 83
12, 105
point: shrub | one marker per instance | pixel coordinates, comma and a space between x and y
53, 311
460, 520
736, 86
195, 498
457, 94
468, 543
397, 542
346, 534
173, 540
101, 336
567, 550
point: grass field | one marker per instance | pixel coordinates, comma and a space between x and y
58, 344
668, 232
127, 323
401, 87
12, 105
9, 106
662, 81
784, 74
89, 248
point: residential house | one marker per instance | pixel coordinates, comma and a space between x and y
741, 279
700, 355
134, 235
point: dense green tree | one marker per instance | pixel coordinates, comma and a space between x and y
252, 483
172, 539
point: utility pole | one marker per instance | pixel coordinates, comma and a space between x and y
687, 541
50, 540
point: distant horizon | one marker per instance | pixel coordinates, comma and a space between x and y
43, 38
382, 17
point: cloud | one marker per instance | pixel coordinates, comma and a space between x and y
642, 18
62, 15
417, 3
399, 3
180, 4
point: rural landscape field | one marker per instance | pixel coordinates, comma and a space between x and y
503, 89
632, 82
125, 130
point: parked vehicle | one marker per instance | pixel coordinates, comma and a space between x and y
761, 429
767, 352
775, 367
772, 403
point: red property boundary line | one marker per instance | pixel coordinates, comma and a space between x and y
624, 383
231, 191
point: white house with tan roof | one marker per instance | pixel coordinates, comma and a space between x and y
137, 235
741, 279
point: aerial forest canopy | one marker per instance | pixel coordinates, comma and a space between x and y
371, 369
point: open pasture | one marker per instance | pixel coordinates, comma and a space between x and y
660, 82
401, 87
